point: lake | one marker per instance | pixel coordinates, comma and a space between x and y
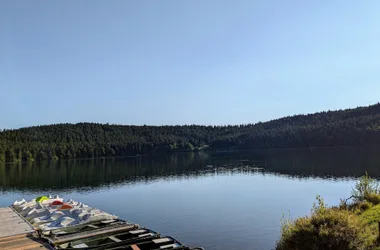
224, 200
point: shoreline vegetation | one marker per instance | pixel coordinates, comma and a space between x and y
352, 225
350, 127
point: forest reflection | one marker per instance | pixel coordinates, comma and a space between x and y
93, 173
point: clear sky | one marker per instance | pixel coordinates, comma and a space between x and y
184, 62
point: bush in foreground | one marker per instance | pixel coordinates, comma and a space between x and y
366, 189
326, 228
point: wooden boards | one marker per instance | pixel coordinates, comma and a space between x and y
12, 224
22, 242
96, 232
16, 233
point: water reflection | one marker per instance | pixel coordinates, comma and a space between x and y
90, 174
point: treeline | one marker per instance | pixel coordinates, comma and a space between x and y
359, 126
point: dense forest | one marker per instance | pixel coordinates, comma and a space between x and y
354, 127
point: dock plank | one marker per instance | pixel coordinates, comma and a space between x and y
16, 233
88, 234
23, 242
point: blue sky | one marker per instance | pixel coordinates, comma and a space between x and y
184, 62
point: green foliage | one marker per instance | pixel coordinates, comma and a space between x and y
371, 215
2, 155
363, 206
89, 140
190, 146
27, 156
373, 198
348, 226
366, 189
10, 155
42, 155
326, 228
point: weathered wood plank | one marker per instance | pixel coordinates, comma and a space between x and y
4, 217
4, 232
12, 224
11, 238
96, 232
23, 242
4, 209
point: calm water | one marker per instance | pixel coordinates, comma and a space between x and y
218, 200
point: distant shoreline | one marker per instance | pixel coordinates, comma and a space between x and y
195, 151
350, 127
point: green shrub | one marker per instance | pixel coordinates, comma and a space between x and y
362, 206
373, 198
371, 215
366, 189
326, 228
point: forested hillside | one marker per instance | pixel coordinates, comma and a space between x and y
359, 126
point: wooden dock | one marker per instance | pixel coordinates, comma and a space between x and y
16, 233
33, 225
